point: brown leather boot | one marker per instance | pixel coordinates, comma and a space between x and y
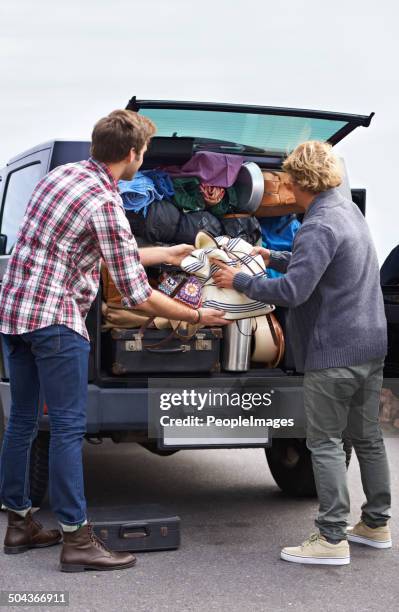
83, 550
25, 532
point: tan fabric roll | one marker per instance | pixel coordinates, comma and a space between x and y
120, 317
130, 319
265, 350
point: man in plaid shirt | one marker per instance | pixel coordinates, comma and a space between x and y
74, 219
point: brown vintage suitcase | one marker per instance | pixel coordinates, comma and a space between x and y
129, 351
278, 198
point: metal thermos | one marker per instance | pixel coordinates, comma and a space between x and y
237, 339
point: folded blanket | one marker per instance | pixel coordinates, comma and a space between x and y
138, 193
162, 181
230, 251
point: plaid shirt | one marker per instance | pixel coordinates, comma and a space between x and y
74, 218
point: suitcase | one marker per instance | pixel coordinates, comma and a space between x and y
278, 198
158, 351
136, 528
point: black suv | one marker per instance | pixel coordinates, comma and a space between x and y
118, 405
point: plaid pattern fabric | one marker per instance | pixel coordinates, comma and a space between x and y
74, 218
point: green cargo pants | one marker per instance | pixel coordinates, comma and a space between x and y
344, 402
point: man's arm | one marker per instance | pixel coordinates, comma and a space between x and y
160, 305
279, 260
314, 249
152, 256
118, 247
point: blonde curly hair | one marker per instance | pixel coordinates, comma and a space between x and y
314, 167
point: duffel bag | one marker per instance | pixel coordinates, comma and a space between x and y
242, 226
191, 223
162, 222
278, 198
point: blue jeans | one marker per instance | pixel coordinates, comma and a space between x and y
54, 361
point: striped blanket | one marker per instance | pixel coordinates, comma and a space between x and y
233, 252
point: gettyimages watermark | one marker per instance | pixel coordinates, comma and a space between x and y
250, 412
219, 402
225, 412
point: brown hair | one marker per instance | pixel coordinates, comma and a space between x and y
314, 167
116, 134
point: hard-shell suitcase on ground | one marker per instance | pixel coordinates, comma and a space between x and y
278, 198
136, 528
159, 351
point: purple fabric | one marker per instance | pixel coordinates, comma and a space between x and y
216, 169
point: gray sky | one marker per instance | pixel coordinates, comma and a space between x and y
64, 65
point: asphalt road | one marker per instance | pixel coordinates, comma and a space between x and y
234, 522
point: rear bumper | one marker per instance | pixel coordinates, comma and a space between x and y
107, 409
126, 409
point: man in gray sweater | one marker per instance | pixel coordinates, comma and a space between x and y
337, 329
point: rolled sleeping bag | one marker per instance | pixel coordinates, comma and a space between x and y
162, 222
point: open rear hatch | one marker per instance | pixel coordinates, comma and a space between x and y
258, 133
262, 131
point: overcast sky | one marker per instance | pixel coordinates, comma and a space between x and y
66, 64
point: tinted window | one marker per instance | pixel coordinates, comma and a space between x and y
241, 132
19, 188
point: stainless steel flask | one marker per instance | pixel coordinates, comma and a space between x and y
237, 338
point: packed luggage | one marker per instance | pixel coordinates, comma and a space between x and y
224, 206
217, 193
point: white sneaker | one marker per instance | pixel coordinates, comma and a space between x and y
380, 537
316, 550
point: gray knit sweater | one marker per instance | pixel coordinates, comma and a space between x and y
331, 286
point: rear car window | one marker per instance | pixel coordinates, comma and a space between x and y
243, 132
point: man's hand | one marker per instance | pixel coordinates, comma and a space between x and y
265, 253
225, 275
212, 316
176, 254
